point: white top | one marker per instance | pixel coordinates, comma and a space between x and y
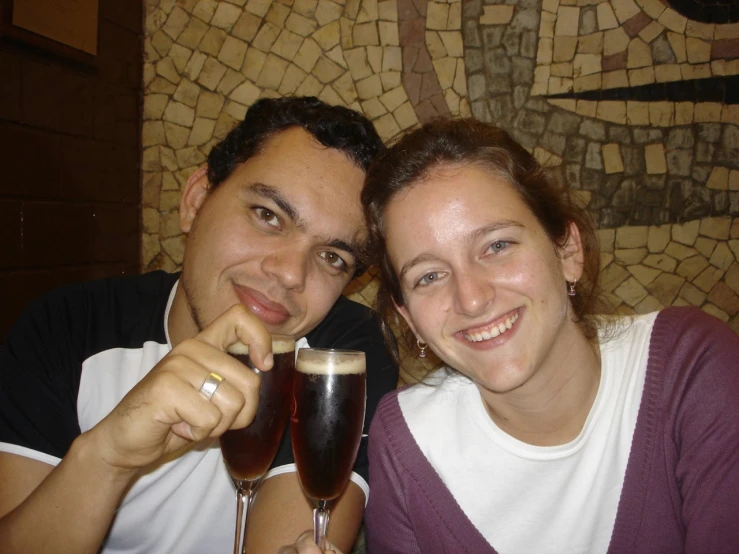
529, 499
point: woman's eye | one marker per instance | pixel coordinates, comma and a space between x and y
499, 246
427, 279
334, 260
267, 216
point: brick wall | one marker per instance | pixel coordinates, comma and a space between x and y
70, 151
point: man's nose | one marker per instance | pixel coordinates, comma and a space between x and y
289, 265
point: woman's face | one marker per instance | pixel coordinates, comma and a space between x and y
483, 284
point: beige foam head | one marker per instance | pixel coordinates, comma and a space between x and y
330, 362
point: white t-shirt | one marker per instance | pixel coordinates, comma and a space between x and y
507, 487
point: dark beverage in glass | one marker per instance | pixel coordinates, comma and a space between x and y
329, 398
248, 452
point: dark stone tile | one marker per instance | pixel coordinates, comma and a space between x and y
413, 33
429, 86
412, 85
423, 62
407, 10
440, 104
614, 61
634, 25
426, 111
31, 160
56, 234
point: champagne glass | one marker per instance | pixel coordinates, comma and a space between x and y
329, 399
248, 452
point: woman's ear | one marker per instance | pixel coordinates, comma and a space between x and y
572, 254
195, 193
405, 314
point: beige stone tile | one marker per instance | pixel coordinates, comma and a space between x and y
154, 105
393, 99
653, 8
180, 56
388, 10
667, 73
615, 41
673, 20
405, 116
612, 110
435, 45
287, 45
154, 21
389, 33
232, 53
726, 31
544, 52
307, 56
631, 237
300, 25
691, 267
294, 77
589, 82
606, 239
491, 15
615, 79
546, 158
202, 131
606, 17
658, 237
330, 96
662, 262
356, 59
561, 70
692, 295
460, 79
732, 277
326, 70
235, 110
266, 37
365, 34
716, 311
351, 9
344, 86
247, 93
170, 224
169, 162
612, 276
369, 87
225, 16
454, 23
629, 256
698, 51
336, 55
590, 44
374, 57
586, 64
150, 218
665, 288
625, 10
631, 292
277, 14
212, 41
719, 178
718, 67
165, 68
564, 49
684, 113
542, 73
161, 86
559, 85
272, 73
176, 23
390, 80
310, 87
160, 43
639, 54
722, 256
187, 92
637, 113
661, 114
368, 11
246, 27
211, 74
708, 278
705, 246
706, 112
205, 9
645, 275
437, 15
716, 227
149, 73
253, 63
569, 104
453, 43
328, 36
730, 114
679, 251
648, 305
677, 43
655, 159
550, 5
651, 31
445, 69
152, 133
568, 21
452, 101
686, 233
734, 185
641, 76
605, 259
258, 7
230, 81
546, 27
539, 88
386, 126
372, 108
700, 30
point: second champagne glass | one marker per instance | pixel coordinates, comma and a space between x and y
329, 396
248, 452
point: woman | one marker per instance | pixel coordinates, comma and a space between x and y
549, 430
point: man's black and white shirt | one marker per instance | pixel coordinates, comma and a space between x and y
76, 352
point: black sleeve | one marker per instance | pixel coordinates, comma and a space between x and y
352, 326
40, 370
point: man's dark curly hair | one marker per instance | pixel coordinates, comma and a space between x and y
333, 126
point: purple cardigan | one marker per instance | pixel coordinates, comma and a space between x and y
681, 489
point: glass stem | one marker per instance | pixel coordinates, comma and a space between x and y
320, 523
245, 493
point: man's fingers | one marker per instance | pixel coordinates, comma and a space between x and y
238, 324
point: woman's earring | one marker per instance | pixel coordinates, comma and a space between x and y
571, 291
422, 348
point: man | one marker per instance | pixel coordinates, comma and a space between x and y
106, 442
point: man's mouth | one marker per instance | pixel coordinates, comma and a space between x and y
492, 330
268, 311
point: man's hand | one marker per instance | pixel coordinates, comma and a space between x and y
305, 545
165, 411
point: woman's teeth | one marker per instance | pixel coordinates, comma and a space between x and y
494, 331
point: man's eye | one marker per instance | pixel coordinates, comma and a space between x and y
267, 216
334, 260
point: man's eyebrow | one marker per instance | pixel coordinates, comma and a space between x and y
477, 233
271, 193
347, 247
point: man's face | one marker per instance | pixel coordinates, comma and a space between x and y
279, 236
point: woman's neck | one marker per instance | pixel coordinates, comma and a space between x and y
551, 408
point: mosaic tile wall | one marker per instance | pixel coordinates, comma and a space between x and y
636, 103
